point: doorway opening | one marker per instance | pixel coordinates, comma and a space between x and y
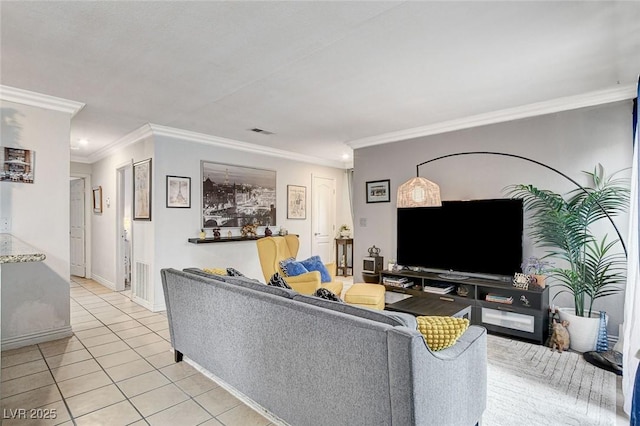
124, 248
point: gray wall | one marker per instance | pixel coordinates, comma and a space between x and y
35, 296
570, 141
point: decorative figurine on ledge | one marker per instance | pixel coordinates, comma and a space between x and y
203, 234
267, 232
250, 230
216, 233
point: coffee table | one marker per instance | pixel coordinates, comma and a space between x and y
431, 304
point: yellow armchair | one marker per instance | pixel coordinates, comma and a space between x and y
272, 250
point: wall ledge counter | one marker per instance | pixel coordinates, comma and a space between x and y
14, 250
222, 239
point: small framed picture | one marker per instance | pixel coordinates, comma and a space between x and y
378, 191
178, 192
97, 199
296, 202
142, 190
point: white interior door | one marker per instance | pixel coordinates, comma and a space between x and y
77, 228
323, 217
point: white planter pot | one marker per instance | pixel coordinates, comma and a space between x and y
583, 331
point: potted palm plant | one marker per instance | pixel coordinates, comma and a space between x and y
590, 267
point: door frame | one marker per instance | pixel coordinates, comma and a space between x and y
120, 194
88, 208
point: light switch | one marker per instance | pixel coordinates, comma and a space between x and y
363, 222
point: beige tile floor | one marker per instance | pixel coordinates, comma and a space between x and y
117, 369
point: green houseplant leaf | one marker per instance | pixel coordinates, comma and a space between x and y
563, 226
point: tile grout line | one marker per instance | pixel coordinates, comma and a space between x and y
171, 381
55, 382
79, 304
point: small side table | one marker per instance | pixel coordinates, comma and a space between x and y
344, 256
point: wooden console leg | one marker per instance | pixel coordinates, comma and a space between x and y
177, 355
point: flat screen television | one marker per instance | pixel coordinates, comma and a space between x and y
479, 236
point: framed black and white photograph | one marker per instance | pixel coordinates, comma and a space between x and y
17, 165
97, 199
178, 192
296, 202
378, 191
142, 190
234, 196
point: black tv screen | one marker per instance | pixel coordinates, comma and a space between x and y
480, 236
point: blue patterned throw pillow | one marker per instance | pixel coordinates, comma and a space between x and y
295, 268
283, 265
314, 263
277, 281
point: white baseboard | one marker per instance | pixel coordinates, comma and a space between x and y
34, 338
143, 303
104, 282
159, 307
251, 403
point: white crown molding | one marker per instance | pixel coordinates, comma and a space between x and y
79, 159
20, 96
140, 133
600, 97
240, 146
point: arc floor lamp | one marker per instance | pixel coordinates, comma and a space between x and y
421, 192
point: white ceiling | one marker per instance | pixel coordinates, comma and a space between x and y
323, 76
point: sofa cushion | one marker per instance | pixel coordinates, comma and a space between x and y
441, 332
277, 281
386, 317
314, 263
245, 282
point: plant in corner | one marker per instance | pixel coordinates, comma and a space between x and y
592, 267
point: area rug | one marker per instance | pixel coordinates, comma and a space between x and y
530, 385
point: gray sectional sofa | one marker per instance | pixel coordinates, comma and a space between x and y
313, 362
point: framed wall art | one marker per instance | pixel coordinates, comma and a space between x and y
97, 199
142, 190
17, 165
234, 196
178, 192
296, 202
378, 191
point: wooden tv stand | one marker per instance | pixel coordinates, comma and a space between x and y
527, 317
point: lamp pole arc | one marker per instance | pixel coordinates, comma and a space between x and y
520, 157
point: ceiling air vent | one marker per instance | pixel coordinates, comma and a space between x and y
262, 131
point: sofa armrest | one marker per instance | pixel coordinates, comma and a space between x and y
305, 283
434, 380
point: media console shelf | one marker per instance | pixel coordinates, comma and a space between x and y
495, 304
